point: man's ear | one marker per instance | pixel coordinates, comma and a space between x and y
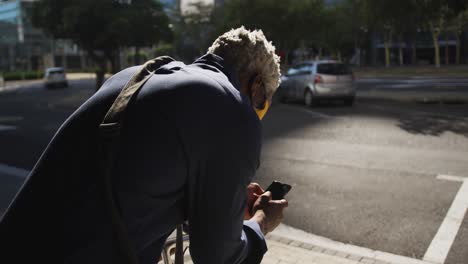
258, 92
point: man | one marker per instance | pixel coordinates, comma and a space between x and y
188, 150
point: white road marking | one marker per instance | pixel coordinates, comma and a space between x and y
7, 128
13, 171
450, 178
440, 246
309, 112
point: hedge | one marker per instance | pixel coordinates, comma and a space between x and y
13, 76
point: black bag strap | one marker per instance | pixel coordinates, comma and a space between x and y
122, 251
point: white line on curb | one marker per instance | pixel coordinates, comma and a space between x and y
13, 171
440, 246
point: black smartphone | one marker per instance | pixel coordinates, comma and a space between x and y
278, 190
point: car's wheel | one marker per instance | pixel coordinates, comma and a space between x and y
65, 84
309, 99
349, 101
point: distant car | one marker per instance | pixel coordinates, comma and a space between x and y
316, 80
55, 77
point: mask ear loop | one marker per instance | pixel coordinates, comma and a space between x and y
262, 104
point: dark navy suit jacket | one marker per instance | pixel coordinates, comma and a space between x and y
189, 147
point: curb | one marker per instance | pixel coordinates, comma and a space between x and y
297, 238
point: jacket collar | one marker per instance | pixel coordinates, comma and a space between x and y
217, 63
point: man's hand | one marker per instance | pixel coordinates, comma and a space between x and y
253, 192
267, 212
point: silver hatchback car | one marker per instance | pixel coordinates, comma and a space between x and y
315, 80
55, 77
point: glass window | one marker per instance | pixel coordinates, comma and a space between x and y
294, 70
334, 69
306, 68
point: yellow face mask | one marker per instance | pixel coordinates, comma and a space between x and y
261, 112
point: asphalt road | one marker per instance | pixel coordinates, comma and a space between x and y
364, 175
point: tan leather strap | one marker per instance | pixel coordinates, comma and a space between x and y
115, 113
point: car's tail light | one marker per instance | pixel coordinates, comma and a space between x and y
353, 76
318, 79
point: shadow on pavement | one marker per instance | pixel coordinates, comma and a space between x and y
412, 117
434, 125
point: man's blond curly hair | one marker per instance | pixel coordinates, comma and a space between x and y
251, 54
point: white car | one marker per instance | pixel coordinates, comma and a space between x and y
55, 77
317, 80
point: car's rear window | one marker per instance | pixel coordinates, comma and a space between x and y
56, 72
334, 69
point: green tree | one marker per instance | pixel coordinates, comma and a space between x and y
405, 22
193, 30
388, 18
346, 26
147, 25
456, 25
435, 14
339, 34
460, 24
288, 23
100, 27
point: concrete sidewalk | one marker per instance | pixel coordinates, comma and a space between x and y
290, 245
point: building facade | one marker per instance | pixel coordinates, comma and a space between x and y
21, 45
25, 48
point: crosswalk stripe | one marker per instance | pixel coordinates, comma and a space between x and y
442, 242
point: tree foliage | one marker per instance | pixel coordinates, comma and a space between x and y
194, 30
102, 27
147, 24
435, 14
285, 22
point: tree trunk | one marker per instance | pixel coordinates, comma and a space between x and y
463, 48
64, 60
400, 56
400, 51
137, 55
458, 55
339, 56
414, 54
100, 72
113, 63
446, 49
387, 41
435, 40
387, 54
